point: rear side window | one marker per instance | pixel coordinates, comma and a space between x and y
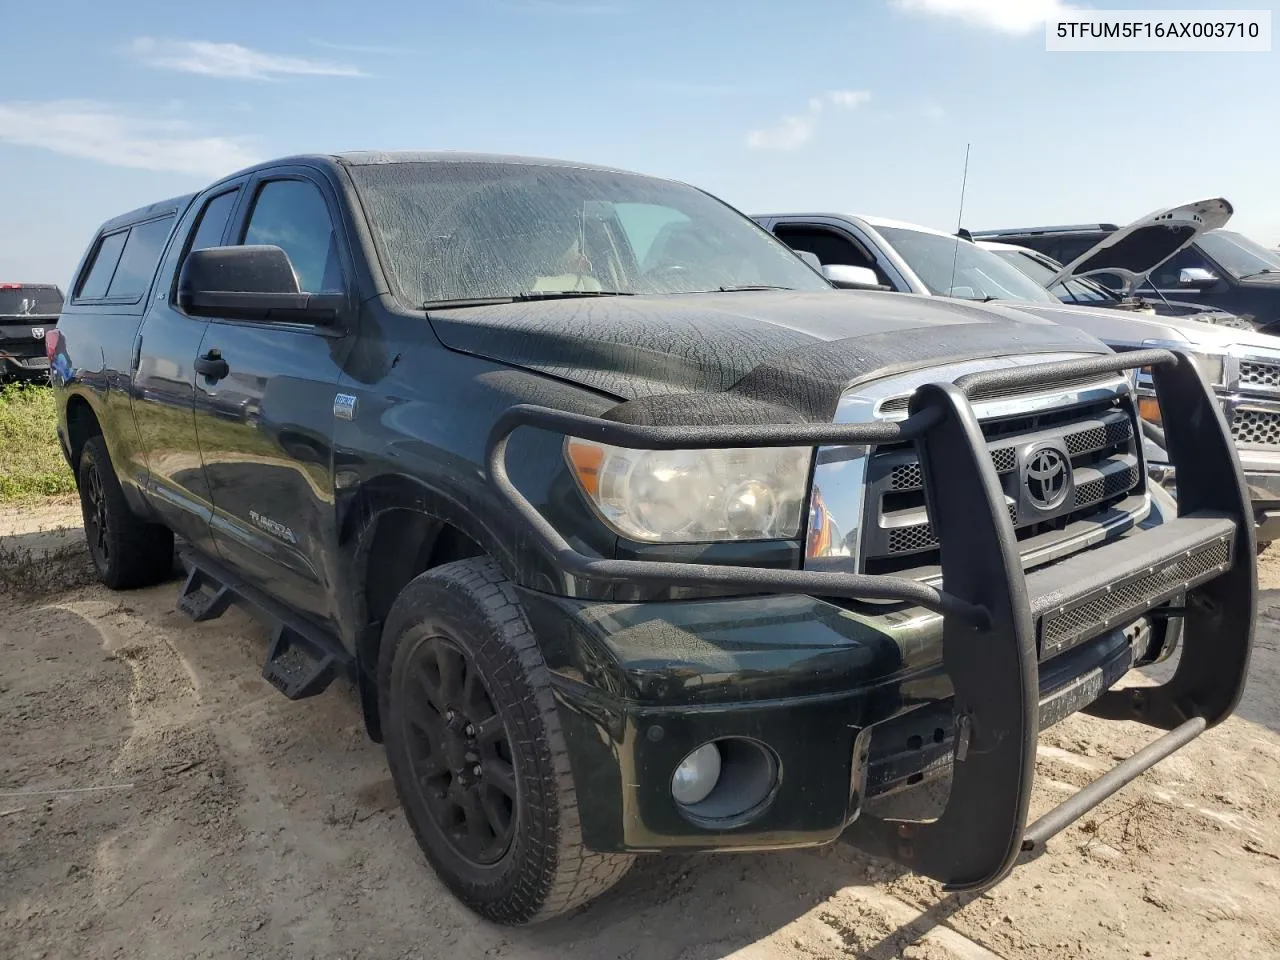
101, 268
138, 261
213, 221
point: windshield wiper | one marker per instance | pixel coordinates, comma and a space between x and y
1258, 273
569, 294
743, 287
525, 297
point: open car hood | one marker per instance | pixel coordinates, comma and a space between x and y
1134, 251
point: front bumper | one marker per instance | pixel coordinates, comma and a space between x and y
1001, 632
640, 686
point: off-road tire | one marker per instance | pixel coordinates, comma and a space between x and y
129, 552
546, 870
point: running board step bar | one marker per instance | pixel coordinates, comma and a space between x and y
302, 660
296, 666
203, 597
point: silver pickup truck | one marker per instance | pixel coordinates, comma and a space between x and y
1241, 366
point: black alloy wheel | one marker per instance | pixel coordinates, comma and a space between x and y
97, 525
460, 752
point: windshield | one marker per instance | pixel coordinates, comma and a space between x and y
449, 231
949, 266
1238, 254
1071, 291
19, 301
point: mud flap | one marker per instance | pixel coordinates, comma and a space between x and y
994, 672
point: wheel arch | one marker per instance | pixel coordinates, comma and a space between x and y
82, 424
393, 529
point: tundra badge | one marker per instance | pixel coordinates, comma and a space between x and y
344, 406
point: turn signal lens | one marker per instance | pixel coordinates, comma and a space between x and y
587, 459
1149, 409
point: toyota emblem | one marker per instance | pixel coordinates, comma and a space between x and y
1046, 478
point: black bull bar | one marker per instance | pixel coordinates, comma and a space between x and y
995, 615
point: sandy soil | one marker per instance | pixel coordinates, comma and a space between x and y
158, 799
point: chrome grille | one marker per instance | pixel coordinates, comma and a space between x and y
1256, 427
921, 537
1098, 438
1092, 491
1004, 460
907, 477
867, 509
1259, 373
910, 477
1094, 439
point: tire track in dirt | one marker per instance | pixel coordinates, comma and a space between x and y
261, 827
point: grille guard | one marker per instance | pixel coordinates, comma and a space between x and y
993, 613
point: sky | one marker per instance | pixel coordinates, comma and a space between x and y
859, 106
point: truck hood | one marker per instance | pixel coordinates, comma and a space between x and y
783, 349
1122, 328
1134, 251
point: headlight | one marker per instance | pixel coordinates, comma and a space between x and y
1212, 366
688, 496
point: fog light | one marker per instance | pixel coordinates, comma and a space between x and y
697, 775
1149, 409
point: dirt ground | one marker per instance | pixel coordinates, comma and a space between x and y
158, 799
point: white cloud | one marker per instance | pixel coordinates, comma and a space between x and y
849, 99
1007, 16
792, 132
232, 60
94, 131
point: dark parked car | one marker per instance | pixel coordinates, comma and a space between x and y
633, 534
1084, 292
27, 312
1221, 270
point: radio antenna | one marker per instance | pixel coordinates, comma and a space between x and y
964, 182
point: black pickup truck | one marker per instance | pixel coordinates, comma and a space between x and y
633, 534
27, 312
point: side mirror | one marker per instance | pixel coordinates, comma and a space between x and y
809, 257
848, 277
250, 283
1196, 277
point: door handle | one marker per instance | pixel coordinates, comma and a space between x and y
212, 365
